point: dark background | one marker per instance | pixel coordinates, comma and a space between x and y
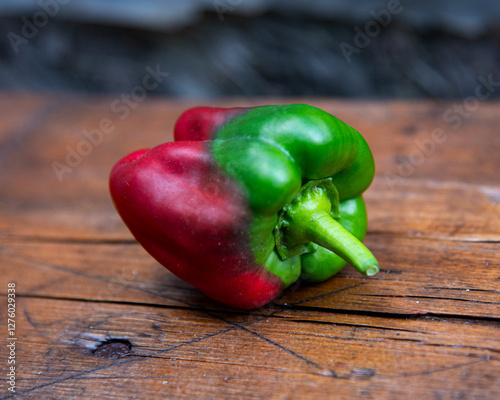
429, 48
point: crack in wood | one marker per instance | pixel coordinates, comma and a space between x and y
322, 372
462, 289
409, 296
431, 237
402, 315
68, 240
131, 241
210, 311
353, 325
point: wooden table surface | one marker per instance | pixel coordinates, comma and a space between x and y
97, 317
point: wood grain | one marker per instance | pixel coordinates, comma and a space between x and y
179, 353
99, 318
417, 276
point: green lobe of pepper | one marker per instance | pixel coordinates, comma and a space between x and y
285, 155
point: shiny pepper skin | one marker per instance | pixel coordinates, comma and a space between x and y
246, 201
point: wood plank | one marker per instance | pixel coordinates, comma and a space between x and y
419, 208
393, 129
417, 276
187, 354
464, 166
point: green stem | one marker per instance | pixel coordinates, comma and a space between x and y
323, 230
308, 219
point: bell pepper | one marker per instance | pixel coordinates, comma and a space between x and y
246, 201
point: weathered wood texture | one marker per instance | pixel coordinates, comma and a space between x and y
97, 317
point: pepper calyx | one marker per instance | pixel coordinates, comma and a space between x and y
311, 217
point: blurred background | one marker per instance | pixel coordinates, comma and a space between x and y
215, 48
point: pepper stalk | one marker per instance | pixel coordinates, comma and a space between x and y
310, 218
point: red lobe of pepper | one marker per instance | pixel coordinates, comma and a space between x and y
200, 122
193, 219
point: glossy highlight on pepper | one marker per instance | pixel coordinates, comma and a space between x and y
246, 201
